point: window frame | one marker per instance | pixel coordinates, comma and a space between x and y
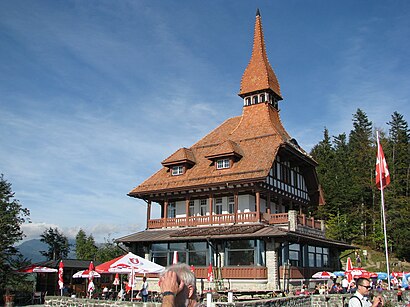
223, 163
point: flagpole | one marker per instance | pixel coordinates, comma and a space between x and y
383, 211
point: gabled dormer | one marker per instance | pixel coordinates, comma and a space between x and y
225, 155
259, 83
180, 161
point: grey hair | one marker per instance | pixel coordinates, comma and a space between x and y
183, 272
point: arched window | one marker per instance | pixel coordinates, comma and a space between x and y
262, 97
247, 101
255, 99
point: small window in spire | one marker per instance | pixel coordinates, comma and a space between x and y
262, 96
247, 101
255, 99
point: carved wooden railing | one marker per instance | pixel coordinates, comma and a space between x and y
228, 219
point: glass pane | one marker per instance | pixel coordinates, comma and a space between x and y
159, 247
177, 247
160, 259
243, 244
197, 258
293, 255
240, 258
311, 260
197, 246
294, 247
318, 260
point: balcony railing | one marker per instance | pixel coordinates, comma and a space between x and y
227, 219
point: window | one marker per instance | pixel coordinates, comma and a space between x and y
223, 163
262, 96
193, 253
247, 101
218, 205
318, 256
191, 208
241, 252
231, 204
294, 254
255, 99
203, 204
172, 210
177, 170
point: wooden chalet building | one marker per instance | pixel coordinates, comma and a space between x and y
239, 197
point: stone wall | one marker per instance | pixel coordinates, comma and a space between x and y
330, 300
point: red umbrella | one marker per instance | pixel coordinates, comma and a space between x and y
192, 269
210, 273
60, 276
91, 286
37, 269
116, 281
349, 265
359, 272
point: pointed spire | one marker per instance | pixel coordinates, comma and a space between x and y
259, 75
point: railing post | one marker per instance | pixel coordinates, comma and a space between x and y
210, 208
235, 206
148, 212
165, 212
258, 206
187, 211
304, 219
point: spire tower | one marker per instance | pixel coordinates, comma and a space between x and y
259, 82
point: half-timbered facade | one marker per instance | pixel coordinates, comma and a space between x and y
240, 197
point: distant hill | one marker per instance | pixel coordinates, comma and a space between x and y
31, 250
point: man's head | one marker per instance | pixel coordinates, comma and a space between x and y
144, 279
184, 274
363, 286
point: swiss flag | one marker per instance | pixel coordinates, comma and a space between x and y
382, 173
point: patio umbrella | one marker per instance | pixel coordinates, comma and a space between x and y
349, 265
381, 275
91, 287
175, 258
323, 275
37, 269
85, 274
125, 263
373, 275
358, 272
339, 273
60, 276
116, 281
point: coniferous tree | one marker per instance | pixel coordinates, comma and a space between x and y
85, 246
58, 246
12, 216
362, 168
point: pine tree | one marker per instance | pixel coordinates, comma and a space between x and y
58, 246
12, 216
85, 246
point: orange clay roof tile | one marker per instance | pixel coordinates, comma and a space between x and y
259, 75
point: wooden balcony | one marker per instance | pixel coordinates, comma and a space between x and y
227, 219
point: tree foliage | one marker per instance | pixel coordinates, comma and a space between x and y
58, 246
12, 216
109, 250
85, 247
346, 173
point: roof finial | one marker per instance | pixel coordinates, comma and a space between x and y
257, 12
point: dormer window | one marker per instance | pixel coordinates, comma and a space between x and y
223, 163
177, 170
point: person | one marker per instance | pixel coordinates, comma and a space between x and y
358, 261
359, 299
178, 286
345, 285
144, 290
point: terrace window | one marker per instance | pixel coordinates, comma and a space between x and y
203, 206
242, 252
231, 205
172, 210
218, 205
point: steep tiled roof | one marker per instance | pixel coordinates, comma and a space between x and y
227, 148
259, 75
258, 134
182, 155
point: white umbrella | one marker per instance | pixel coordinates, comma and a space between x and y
85, 274
124, 264
323, 275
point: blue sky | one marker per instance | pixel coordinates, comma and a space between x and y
95, 94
